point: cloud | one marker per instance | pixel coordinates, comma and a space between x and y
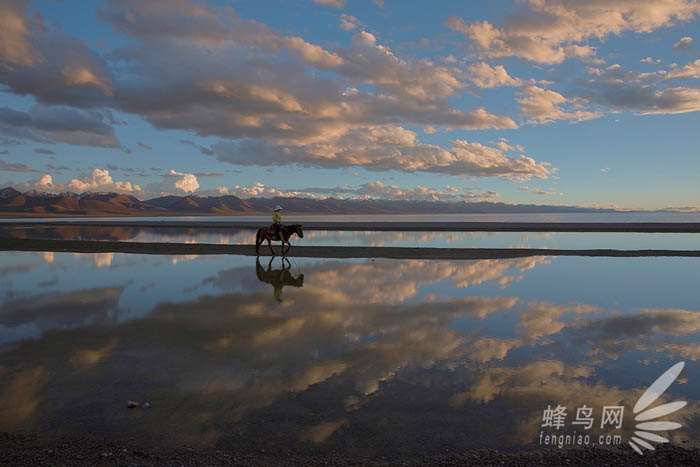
99, 180
174, 182
691, 70
550, 31
484, 75
15, 47
684, 43
332, 3
58, 124
44, 151
387, 148
15, 167
51, 66
144, 146
541, 105
238, 79
371, 190
203, 149
186, 20
348, 22
539, 191
650, 60
647, 100
643, 93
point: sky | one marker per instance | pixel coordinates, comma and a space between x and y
562, 102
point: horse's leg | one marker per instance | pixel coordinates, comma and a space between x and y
269, 245
258, 241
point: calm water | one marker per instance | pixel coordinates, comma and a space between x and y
230, 236
380, 356
505, 217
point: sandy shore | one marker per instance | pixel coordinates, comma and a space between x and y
647, 227
82, 246
23, 450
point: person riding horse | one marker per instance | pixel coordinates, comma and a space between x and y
276, 222
277, 232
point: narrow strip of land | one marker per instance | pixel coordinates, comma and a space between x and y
646, 227
80, 246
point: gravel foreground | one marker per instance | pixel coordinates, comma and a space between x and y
27, 450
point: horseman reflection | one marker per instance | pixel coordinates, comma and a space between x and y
278, 278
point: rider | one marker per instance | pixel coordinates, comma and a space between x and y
276, 221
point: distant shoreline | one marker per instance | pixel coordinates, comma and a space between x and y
393, 226
336, 252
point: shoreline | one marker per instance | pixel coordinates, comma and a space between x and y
387, 226
336, 252
89, 450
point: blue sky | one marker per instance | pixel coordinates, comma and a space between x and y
541, 101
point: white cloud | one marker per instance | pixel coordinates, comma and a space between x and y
98, 181
540, 105
174, 182
371, 190
684, 43
387, 148
650, 60
549, 31
484, 75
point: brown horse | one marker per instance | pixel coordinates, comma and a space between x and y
278, 278
285, 232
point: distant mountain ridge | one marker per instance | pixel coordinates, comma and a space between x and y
14, 202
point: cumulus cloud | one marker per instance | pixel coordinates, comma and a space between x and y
371, 190
58, 124
550, 31
388, 148
650, 60
684, 43
174, 182
541, 105
98, 181
348, 22
484, 75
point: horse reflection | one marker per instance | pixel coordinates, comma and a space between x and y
278, 278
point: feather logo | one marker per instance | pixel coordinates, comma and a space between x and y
646, 431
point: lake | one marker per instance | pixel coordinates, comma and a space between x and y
385, 358
603, 217
233, 236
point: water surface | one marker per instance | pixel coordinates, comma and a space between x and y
233, 236
382, 356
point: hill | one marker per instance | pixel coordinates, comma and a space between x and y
16, 203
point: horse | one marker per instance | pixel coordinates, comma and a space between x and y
278, 278
286, 231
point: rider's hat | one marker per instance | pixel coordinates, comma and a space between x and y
277, 208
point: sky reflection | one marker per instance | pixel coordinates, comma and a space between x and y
313, 352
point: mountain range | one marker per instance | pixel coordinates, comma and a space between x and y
16, 203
